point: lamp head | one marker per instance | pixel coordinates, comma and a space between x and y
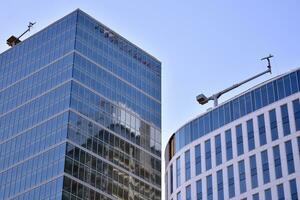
202, 99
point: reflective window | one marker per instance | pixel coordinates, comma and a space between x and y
178, 196
293, 189
268, 194
280, 192
178, 171
253, 172
255, 196
273, 124
296, 107
207, 154
242, 176
198, 159
228, 144
250, 134
188, 193
280, 88
218, 149
298, 141
277, 162
171, 178
199, 189
285, 120
187, 165
239, 139
265, 166
220, 185
230, 181
209, 187
289, 157
262, 130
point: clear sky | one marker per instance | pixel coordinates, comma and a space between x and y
204, 46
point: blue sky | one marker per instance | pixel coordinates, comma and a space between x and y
204, 46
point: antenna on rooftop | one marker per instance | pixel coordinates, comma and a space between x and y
202, 99
13, 40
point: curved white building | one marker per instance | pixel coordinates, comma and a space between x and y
246, 148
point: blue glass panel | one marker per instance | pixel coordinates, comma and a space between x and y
248, 100
207, 154
242, 105
270, 89
199, 189
228, 145
258, 103
280, 192
287, 85
294, 85
220, 185
273, 124
293, 189
280, 86
296, 107
264, 95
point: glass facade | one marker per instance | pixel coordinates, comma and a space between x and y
80, 115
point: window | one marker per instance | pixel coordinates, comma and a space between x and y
188, 193
289, 157
239, 140
296, 107
253, 172
178, 172
178, 196
198, 159
167, 186
262, 130
273, 124
255, 196
171, 178
220, 185
270, 90
209, 187
199, 189
285, 120
230, 181
250, 132
268, 194
218, 150
293, 188
242, 176
207, 155
294, 85
265, 166
187, 165
280, 88
298, 141
277, 162
228, 144
280, 192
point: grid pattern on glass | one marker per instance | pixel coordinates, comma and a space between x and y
198, 159
104, 176
199, 189
115, 118
230, 176
289, 157
207, 155
242, 176
35, 111
285, 120
113, 148
253, 172
239, 139
33, 171
265, 166
296, 107
228, 141
116, 90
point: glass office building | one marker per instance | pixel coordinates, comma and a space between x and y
247, 148
80, 115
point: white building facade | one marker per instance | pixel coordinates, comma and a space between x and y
246, 148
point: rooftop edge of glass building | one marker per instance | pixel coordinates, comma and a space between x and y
246, 148
232, 109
